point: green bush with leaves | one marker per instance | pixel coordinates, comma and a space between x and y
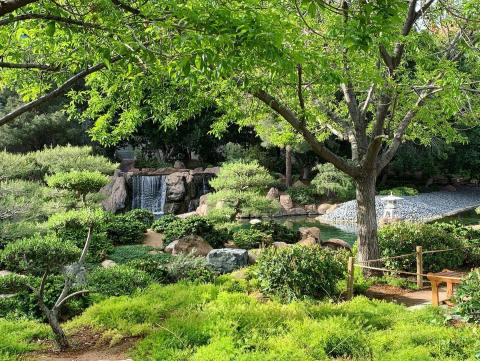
12, 231
186, 267
303, 195
240, 187
141, 215
118, 280
125, 254
297, 272
403, 237
251, 238
79, 182
332, 183
467, 297
121, 229
278, 231
161, 224
400, 191
18, 166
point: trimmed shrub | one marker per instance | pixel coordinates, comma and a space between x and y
155, 267
141, 215
330, 182
400, 191
18, 166
117, 280
296, 272
190, 268
123, 230
164, 222
277, 231
303, 195
125, 254
402, 238
251, 238
468, 297
12, 231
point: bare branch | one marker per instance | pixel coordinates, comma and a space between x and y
28, 66
366, 103
62, 89
74, 294
8, 6
317, 146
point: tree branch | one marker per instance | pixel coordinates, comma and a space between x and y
317, 146
62, 89
68, 21
74, 294
8, 6
28, 66
126, 7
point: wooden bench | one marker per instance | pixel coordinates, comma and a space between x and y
446, 276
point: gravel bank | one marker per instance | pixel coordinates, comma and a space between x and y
423, 207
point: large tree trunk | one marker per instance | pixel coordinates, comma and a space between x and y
288, 166
52, 317
367, 220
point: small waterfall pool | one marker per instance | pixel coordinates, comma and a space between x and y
150, 192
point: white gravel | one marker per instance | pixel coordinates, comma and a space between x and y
423, 207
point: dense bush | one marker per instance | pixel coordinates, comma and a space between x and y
141, 215
118, 280
155, 267
297, 272
189, 268
249, 238
123, 230
125, 254
18, 166
240, 187
399, 191
174, 228
303, 195
403, 237
468, 297
277, 231
330, 182
12, 231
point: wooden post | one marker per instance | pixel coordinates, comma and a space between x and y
351, 276
419, 254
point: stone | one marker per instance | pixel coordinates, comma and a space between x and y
322, 208
273, 194
306, 232
336, 243
187, 215
226, 260
308, 242
203, 199
311, 208
297, 211
192, 244
255, 221
179, 165
253, 255
172, 207
202, 210
108, 263
175, 187
116, 194
286, 201
212, 170
280, 244
331, 208
299, 184
449, 188
153, 239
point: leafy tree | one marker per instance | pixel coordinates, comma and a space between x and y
369, 73
330, 182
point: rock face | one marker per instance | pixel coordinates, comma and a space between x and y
116, 194
179, 165
273, 194
336, 243
108, 263
286, 202
175, 187
253, 255
194, 245
306, 232
322, 208
226, 260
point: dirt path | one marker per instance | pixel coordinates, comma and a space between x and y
86, 346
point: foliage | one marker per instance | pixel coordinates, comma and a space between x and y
402, 238
189, 268
117, 280
155, 267
174, 228
399, 191
251, 238
125, 254
80, 182
122, 229
12, 231
468, 297
330, 182
37, 254
278, 231
303, 195
141, 215
202, 322
19, 336
297, 272
18, 166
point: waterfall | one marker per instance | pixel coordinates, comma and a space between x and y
150, 192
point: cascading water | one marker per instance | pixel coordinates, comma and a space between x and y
150, 192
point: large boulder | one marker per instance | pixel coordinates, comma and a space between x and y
336, 243
273, 194
226, 260
306, 232
323, 208
116, 194
202, 210
175, 187
108, 263
192, 244
286, 202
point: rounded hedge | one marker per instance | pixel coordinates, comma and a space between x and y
251, 238
297, 271
81, 182
117, 280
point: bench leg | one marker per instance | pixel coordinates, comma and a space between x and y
435, 298
449, 289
